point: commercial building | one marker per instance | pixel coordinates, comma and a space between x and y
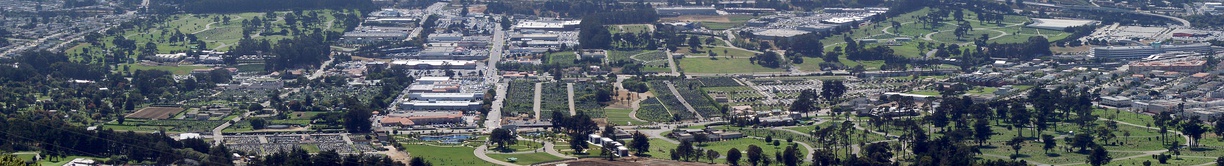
778, 34
591, 53
448, 53
745, 10
422, 118
818, 28
548, 25
440, 105
366, 37
1059, 24
447, 96
690, 10
168, 57
445, 37
533, 37
1138, 52
1186, 66
436, 64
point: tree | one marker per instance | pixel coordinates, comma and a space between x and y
685, 150
733, 156
711, 155
1016, 143
502, 137
755, 155
258, 123
1099, 156
218, 155
981, 131
417, 161
790, 156
8, 159
694, 43
768, 59
357, 119
1218, 126
1194, 128
640, 143
1048, 142
832, 89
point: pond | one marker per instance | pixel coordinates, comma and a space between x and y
447, 138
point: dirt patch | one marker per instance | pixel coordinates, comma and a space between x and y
154, 113
696, 18
477, 9
628, 161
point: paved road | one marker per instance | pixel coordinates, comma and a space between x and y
493, 119
682, 101
322, 68
671, 63
570, 88
481, 152
536, 106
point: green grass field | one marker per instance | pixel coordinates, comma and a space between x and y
449, 156
722, 65
525, 159
1009, 30
734, 21
212, 29
621, 117
564, 58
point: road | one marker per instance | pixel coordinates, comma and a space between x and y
536, 106
493, 119
322, 68
671, 63
570, 89
682, 101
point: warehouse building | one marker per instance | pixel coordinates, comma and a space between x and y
689, 10
1139, 52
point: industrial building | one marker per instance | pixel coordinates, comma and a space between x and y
447, 96
440, 105
1059, 24
366, 37
1138, 52
422, 118
436, 64
778, 34
448, 53
690, 10
548, 25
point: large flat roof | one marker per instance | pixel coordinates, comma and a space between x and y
1058, 24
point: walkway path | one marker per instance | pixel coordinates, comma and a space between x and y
481, 152
570, 88
637, 104
682, 101
536, 107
